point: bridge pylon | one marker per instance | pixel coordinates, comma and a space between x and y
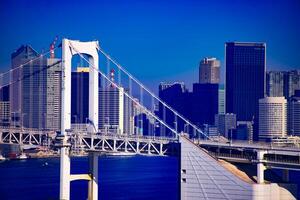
69, 49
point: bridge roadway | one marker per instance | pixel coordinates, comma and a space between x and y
83, 141
273, 155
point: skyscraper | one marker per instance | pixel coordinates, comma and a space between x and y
34, 94
198, 106
209, 71
272, 118
203, 103
245, 80
221, 100
111, 110
175, 95
294, 114
293, 83
225, 123
282, 83
20, 57
4, 106
275, 83
80, 96
53, 102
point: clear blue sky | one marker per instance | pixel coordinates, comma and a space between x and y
156, 40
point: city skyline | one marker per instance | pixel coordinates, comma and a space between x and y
168, 45
102, 92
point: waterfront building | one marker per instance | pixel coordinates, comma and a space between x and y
245, 80
203, 103
175, 95
211, 130
292, 83
283, 83
294, 114
53, 104
4, 106
244, 131
272, 118
115, 111
209, 71
198, 106
80, 96
226, 123
20, 57
221, 100
35, 92
275, 83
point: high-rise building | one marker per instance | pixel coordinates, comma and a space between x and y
111, 110
225, 123
210, 130
203, 103
244, 131
4, 106
198, 106
174, 94
275, 83
209, 71
283, 83
293, 83
294, 114
80, 96
34, 94
53, 106
221, 100
272, 118
36, 89
245, 80
20, 57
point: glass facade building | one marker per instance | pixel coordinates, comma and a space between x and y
283, 83
245, 80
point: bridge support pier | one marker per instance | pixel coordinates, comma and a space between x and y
64, 174
93, 183
285, 175
260, 167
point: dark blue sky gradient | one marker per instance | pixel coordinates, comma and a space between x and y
156, 40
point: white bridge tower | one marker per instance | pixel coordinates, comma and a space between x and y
69, 49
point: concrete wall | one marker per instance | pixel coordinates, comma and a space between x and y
203, 177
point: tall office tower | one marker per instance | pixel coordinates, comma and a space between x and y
80, 96
209, 71
111, 110
53, 115
221, 100
244, 131
275, 83
198, 106
174, 94
128, 114
293, 83
202, 103
34, 94
294, 114
4, 106
245, 80
225, 123
283, 83
20, 57
272, 118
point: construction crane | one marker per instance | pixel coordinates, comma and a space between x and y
52, 47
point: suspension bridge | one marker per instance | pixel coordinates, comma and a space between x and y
201, 175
